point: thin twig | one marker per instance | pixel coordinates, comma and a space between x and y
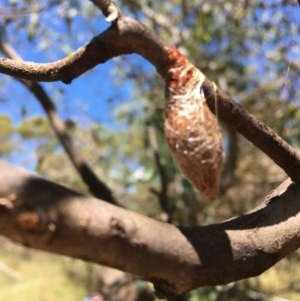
162, 194
109, 8
98, 188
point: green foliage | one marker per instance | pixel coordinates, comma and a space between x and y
7, 130
34, 127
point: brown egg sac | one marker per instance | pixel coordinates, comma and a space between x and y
191, 129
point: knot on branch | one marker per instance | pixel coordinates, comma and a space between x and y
117, 227
29, 221
34, 221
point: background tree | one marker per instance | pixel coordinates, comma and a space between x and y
145, 178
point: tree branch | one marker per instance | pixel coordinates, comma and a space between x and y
126, 36
228, 174
43, 215
162, 194
96, 187
254, 130
109, 9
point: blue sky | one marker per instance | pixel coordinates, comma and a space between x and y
92, 96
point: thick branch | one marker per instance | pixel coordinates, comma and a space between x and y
46, 216
96, 187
